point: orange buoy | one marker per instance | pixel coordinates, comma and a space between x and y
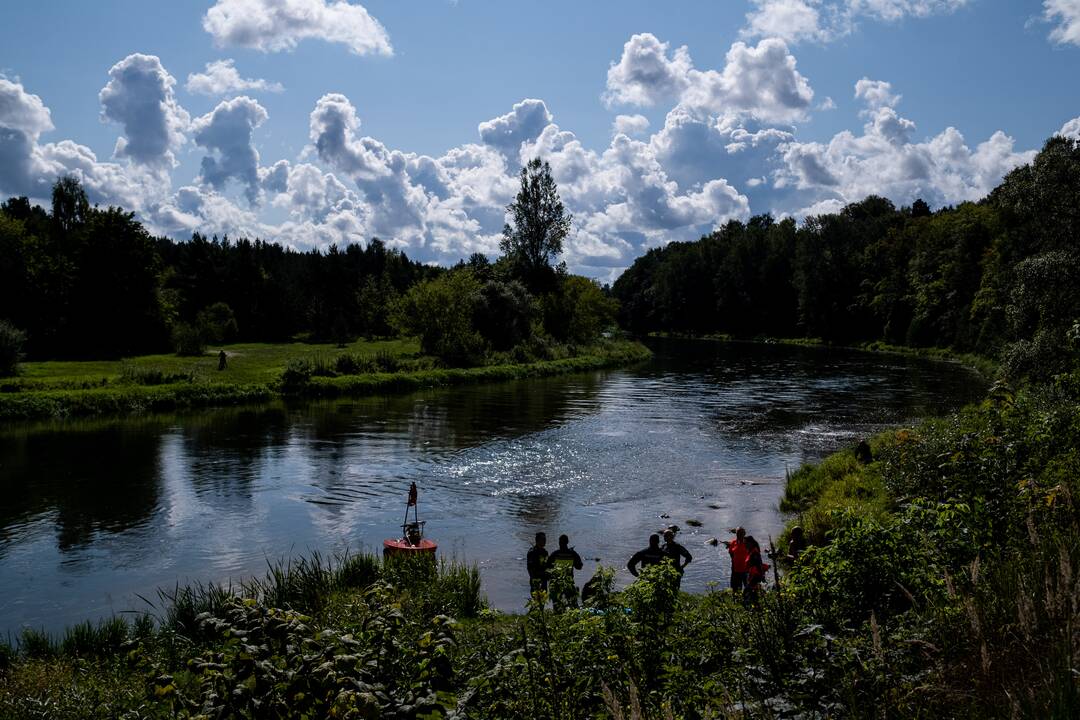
412, 543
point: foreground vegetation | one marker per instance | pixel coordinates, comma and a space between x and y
259, 372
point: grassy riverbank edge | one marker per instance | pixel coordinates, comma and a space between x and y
986, 367
129, 399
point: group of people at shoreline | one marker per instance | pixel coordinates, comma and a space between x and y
748, 570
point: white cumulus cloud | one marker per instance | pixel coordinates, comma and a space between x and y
630, 125
523, 123
222, 78
885, 161
1071, 129
139, 96
226, 133
1065, 14
759, 82
275, 25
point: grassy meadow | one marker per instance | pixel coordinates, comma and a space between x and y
257, 372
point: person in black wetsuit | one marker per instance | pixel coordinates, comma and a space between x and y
565, 557
652, 555
537, 563
675, 552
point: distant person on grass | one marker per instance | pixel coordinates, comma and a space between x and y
675, 552
652, 555
537, 564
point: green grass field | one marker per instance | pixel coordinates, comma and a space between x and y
248, 363
162, 383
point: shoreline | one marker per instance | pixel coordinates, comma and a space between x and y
983, 366
119, 401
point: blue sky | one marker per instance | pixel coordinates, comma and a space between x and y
326, 121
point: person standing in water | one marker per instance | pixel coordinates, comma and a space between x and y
565, 555
537, 564
755, 570
739, 555
652, 555
564, 562
675, 552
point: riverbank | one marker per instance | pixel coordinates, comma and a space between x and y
986, 367
257, 373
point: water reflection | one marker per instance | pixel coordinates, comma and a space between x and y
101, 482
97, 512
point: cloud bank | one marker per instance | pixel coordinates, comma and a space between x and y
729, 146
275, 25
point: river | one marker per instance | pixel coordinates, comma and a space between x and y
96, 513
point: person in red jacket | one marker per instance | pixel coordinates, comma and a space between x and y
739, 555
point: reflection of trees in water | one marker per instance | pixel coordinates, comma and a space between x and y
102, 480
227, 449
772, 390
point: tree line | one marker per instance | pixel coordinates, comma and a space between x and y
999, 277
82, 282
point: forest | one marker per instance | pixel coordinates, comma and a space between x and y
998, 278
80, 282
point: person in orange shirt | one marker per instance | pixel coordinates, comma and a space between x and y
739, 557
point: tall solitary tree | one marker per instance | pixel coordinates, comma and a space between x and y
540, 223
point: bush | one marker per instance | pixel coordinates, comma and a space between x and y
297, 374
441, 312
11, 346
217, 323
188, 340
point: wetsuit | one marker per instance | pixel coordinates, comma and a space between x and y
679, 556
652, 555
537, 563
566, 556
565, 595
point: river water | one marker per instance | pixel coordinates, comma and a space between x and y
94, 514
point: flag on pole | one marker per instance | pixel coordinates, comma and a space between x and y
412, 494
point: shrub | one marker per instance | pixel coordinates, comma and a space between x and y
297, 374
441, 312
11, 347
188, 340
217, 323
